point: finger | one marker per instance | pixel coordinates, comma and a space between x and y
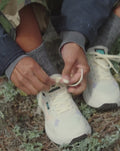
23, 84
33, 79
73, 71
75, 78
86, 68
37, 84
16, 83
24, 89
42, 76
67, 70
78, 89
80, 72
30, 87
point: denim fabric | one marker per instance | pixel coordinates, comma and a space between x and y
109, 32
9, 50
72, 36
84, 16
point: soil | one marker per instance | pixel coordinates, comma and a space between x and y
22, 112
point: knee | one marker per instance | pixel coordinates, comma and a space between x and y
28, 43
117, 11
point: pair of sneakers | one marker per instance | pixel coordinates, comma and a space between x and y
64, 123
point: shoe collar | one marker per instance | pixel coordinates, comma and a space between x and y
99, 49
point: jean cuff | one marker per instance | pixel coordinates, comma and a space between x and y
73, 36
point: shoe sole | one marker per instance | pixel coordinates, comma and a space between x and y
106, 107
77, 139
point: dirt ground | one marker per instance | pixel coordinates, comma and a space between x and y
21, 112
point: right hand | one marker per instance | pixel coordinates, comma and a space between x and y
30, 77
75, 60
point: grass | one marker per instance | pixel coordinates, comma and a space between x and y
23, 130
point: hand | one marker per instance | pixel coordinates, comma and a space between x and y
30, 77
75, 60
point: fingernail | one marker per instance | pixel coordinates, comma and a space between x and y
65, 79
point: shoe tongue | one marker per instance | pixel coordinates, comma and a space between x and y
99, 49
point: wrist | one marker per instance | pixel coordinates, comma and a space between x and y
71, 45
72, 37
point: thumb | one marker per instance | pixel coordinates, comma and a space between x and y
66, 72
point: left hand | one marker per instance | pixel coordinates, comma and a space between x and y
75, 60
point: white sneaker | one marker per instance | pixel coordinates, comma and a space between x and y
64, 123
102, 90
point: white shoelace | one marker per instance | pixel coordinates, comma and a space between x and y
60, 105
77, 83
107, 58
58, 79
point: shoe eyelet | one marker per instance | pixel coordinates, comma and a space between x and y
43, 94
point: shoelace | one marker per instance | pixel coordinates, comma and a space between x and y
107, 58
62, 106
78, 82
58, 79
